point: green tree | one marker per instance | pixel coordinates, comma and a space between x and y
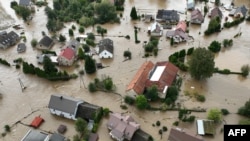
24, 12
205, 10
172, 94
33, 42
81, 29
141, 102
81, 54
171, 41
90, 66
217, 2
48, 66
106, 12
245, 70
86, 48
201, 64
152, 93
80, 125
245, 110
71, 33
213, 26
108, 83
91, 36
133, 13
92, 87
215, 115
62, 38
127, 54
215, 46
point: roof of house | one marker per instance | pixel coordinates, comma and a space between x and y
162, 75
74, 44
46, 41
177, 33
9, 38
57, 137
156, 27
177, 134
122, 125
205, 127
34, 135
140, 135
182, 25
216, 12
106, 44
196, 14
190, 4
242, 9
21, 47
24, 2
140, 78
37, 122
167, 15
64, 103
68, 53
93, 137
87, 111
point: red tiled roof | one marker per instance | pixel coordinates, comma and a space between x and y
37, 122
182, 25
140, 78
68, 53
167, 77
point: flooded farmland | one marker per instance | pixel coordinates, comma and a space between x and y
221, 91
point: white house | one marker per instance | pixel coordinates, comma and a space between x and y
65, 106
190, 4
155, 29
106, 48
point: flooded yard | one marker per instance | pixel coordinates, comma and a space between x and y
221, 91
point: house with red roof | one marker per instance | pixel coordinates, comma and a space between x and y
179, 34
162, 74
66, 57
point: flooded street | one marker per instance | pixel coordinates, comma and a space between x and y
221, 91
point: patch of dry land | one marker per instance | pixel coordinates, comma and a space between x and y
221, 91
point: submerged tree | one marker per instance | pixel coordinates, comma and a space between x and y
133, 13
245, 70
201, 64
90, 66
215, 115
141, 102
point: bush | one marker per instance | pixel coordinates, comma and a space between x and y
95, 127
7, 128
92, 87
158, 123
164, 128
176, 123
160, 131
190, 51
215, 46
106, 112
224, 111
129, 100
200, 98
81, 29
127, 37
124, 107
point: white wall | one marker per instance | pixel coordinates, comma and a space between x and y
63, 114
105, 54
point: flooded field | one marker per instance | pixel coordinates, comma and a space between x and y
221, 91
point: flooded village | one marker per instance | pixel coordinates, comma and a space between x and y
25, 97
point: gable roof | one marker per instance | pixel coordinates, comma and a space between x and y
216, 12
140, 78
205, 127
34, 135
140, 135
57, 137
106, 44
74, 44
46, 41
87, 111
68, 53
168, 15
156, 27
177, 134
182, 25
24, 2
196, 14
164, 77
9, 38
64, 103
242, 9
122, 126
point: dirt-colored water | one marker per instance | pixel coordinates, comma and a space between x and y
221, 91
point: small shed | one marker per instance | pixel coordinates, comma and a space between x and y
37, 121
21, 48
205, 127
62, 129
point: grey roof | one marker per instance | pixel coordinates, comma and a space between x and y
57, 137
24, 2
182, 135
46, 41
21, 47
34, 135
168, 15
9, 39
106, 44
87, 111
242, 9
196, 15
74, 43
64, 103
190, 4
140, 135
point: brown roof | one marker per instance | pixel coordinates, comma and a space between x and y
216, 12
167, 77
183, 135
182, 25
196, 14
140, 78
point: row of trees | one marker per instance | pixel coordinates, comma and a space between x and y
106, 84
23, 11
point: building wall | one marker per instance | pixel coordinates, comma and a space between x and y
64, 61
62, 114
105, 54
3, 46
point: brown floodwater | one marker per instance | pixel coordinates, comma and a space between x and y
221, 91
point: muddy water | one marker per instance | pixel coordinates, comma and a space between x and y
221, 91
